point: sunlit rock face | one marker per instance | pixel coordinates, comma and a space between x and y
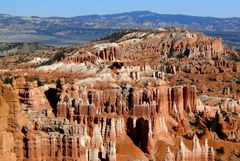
115, 99
6, 138
87, 123
197, 152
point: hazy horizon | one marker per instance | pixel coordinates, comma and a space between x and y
113, 14
64, 8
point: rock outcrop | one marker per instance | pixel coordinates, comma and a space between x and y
6, 138
131, 99
198, 152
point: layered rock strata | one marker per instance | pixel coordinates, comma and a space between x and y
121, 91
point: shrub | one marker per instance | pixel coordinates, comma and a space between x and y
8, 80
196, 121
40, 83
212, 79
221, 150
66, 99
224, 113
213, 124
57, 57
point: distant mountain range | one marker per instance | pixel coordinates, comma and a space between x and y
83, 28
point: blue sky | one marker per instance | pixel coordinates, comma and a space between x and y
69, 8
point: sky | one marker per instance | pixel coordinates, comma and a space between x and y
71, 8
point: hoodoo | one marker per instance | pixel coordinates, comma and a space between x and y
144, 95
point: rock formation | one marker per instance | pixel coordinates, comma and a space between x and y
197, 153
142, 91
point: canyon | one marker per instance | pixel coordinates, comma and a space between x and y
137, 95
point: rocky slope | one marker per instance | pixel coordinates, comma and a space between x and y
135, 95
21, 48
